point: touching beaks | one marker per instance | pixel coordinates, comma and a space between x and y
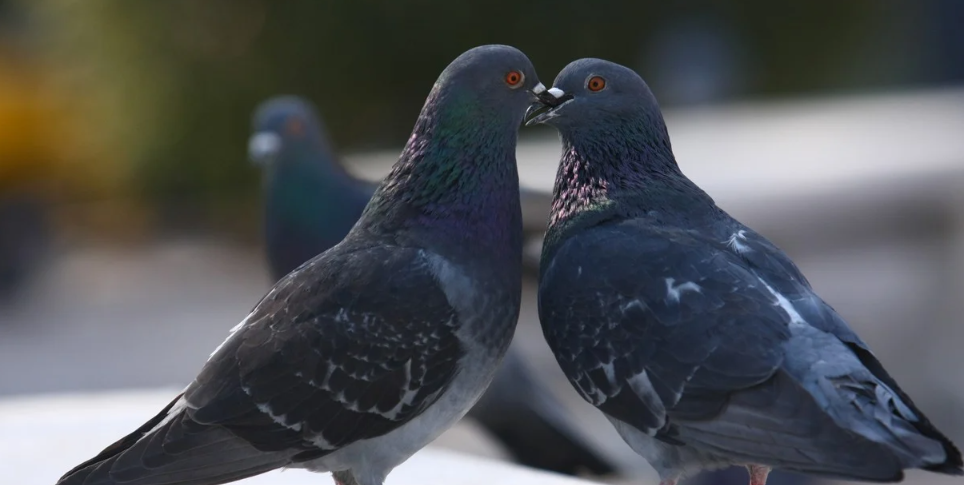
263, 147
544, 109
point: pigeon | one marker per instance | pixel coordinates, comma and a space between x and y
366, 353
24, 240
700, 340
311, 202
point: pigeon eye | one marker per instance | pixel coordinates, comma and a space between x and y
295, 127
514, 79
596, 84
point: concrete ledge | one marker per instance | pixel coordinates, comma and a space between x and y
43, 437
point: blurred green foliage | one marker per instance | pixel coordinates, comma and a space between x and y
169, 86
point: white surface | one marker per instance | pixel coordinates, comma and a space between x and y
41, 438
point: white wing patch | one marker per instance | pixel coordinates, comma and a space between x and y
610, 372
735, 242
459, 289
407, 398
643, 387
277, 418
632, 304
782, 302
592, 393
673, 292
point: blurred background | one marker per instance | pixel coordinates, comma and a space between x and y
130, 217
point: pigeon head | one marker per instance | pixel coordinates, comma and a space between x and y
495, 82
457, 172
614, 138
284, 126
594, 92
607, 117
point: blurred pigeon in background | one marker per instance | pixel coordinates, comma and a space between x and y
369, 351
311, 202
24, 239
698, 338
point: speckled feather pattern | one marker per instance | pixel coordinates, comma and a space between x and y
366, 353
698, 338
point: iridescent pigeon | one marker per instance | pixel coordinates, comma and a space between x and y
698, 338
369, 351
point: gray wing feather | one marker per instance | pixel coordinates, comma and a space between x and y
690, 342
338, 352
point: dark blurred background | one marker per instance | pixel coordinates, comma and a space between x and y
148, 100
129, 216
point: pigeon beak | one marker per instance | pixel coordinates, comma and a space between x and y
544, 109
263, 147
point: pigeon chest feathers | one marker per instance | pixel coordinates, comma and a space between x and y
578, 188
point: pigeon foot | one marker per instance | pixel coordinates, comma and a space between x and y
344, 478
758, 474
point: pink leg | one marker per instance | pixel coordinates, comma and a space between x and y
343, 478
758, 474
669, 481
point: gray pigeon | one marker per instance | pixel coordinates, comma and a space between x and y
311, 202
698, 338
369, 351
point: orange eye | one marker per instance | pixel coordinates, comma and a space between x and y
514, 79
295, 126
596, 83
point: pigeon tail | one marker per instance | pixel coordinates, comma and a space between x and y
171, 448
952, 463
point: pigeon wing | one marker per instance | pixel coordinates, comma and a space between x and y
651, 324
346, 348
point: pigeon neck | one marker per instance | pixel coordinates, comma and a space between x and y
457, 175
597, 167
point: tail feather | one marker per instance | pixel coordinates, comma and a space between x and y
777, 424
952, 464
122, 444
172, 449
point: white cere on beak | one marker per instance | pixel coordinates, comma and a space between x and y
262, 145
539, 89
557, 93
